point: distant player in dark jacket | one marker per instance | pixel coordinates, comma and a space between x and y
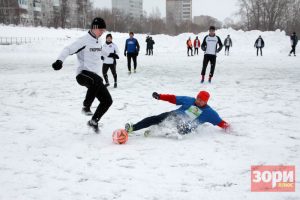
147, 46
132, 49
259, 45
294, 42
151, 45
210, 47
191, 113
228, 44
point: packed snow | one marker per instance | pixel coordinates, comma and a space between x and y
47, 151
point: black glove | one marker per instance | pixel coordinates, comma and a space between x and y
113, 55
57, 65
125, 54
116, 56
137, 53
155, 95
102, 58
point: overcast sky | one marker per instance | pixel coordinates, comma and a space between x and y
219, 9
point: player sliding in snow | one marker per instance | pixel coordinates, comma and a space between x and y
89, 51
193, 112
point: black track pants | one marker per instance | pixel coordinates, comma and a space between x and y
153, 120
293, 50
112, 68
133, 57
188, 51
212, 59
96, 89
258, 50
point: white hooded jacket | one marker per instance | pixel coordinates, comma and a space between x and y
110, 48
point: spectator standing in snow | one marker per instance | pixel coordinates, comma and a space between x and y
196, 45
228, 44
132, 49
259, 45
210, 47
151, 44
189, 45
294, 42
110, 62
148, 44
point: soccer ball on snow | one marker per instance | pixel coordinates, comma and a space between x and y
120, 136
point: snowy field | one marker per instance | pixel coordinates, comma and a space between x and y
47, 152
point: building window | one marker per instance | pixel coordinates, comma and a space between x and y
23, 2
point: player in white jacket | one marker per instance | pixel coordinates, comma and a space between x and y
211, 45
88, 49
110, 62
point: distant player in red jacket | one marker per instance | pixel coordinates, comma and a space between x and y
196, 45
191, 113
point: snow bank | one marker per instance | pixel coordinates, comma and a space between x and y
47, 152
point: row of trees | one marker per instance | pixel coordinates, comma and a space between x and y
79, 14
152, 23
269, 15
265, 15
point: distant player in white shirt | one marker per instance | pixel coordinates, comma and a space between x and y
210, 47
227, 44
110, 62
88, 49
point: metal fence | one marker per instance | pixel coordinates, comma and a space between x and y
24, 40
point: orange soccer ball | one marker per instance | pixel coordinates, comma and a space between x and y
120, 136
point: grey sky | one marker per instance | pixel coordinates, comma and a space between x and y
219, 9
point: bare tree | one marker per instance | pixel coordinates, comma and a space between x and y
64, 13
268, 15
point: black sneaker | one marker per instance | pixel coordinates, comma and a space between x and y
115, 85
107, 84
86, 111
94, 125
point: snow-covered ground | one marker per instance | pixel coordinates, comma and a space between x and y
47, 152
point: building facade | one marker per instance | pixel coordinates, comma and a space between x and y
133, 8
56, 13
178, 11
